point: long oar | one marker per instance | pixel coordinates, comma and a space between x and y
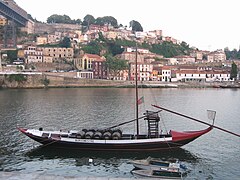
197, 120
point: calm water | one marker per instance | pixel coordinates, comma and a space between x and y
215, 155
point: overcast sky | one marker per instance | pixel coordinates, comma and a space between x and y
205, 24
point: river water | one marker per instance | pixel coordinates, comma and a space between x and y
215, 155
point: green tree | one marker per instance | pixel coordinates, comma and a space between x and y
88, 20
107, 20
115, 65
66, 42
45, 82
55, 18
136, 26
11, 55
234, 71
115, 49
92, 48
20, 78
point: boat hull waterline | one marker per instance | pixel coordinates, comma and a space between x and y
55, 139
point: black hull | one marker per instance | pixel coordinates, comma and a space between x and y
136, 147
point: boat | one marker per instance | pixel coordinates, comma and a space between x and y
114, 139
156, 164
159, 174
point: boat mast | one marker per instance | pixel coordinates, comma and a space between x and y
136, 88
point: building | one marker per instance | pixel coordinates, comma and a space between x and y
3, 21
98, 28
91, 63
58, 53
166, 74
202, 75
54, 38
35, 54
131, 57
185, 59
144, 71
216, 56
110, 34
198, 55
29, 28
99, 68
41, 40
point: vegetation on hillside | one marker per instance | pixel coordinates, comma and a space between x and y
55, 18
20, 78
114, 47
234, 71
136, 26
234, 54
89, 20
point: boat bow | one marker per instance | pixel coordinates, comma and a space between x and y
181, 136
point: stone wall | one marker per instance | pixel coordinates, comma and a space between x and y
36, 81
40, 28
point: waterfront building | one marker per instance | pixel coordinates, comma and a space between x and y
91, 63
144, 71
166, 74
202, 75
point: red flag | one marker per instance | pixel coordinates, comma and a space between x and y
140, 101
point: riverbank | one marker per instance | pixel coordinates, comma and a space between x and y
58, 80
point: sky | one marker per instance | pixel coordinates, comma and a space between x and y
205, 24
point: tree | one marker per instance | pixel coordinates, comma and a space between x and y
114, 48
233, 74
66, 42
136, 26
88, 20
11, 55
106, 20
55, 18
115, 65
92, 48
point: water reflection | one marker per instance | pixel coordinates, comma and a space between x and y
110, 157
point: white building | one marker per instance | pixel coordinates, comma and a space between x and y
144, 71
166, 74
202, 76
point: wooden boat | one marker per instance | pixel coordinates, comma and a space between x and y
112, 139
109, 141
155, 164
159, 174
